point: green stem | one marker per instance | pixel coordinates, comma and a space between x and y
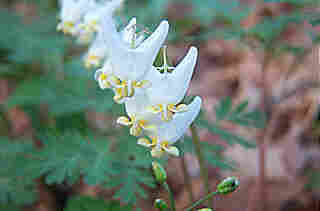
187, 179
172, 202
200, 201
199, 153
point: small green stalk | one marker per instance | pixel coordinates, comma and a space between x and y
187, 179
172, 202
200, 201
165, 64
199, 153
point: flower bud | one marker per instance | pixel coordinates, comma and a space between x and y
228, 185
159, 172
161, 205
205, 209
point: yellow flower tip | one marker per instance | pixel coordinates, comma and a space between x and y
115, 80
142, 84
124, 121
103, 76
85, 38
135, 130
149, 127
118, 99
166, 117
65, 27
205, 209
165, 146
155, 109
182, 108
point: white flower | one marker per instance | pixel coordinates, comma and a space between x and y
96, 53
130, 36
140, 120
132, 63
131, 57
168, 89
169, 132
72, 11
100, 50
92, 19
105, 77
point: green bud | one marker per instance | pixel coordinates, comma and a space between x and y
228, 185
159, 172
161, 205
205, 209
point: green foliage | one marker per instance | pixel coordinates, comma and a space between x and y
239, 115
7, 207
229, 12
212, 153
37, 38
314, 180
56, 92
85, 203
294, 2
15, 188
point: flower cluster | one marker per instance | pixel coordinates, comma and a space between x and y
152, 95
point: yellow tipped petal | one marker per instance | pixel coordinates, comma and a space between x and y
135, 130
118, 99
182, 108
115, 80
155, 109
166, 117
124, 121
149, 127
103, 76
142, 84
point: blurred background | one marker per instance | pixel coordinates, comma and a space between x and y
58, 134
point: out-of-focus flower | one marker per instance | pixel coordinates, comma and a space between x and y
71, 14
91, 23
168, 133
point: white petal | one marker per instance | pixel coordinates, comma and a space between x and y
171, 88
98, 47
128, 33
173, 130
101, 9
74, 10
97, 74
138, 106
132, 64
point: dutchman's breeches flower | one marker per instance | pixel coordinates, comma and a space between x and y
169, 132
169, 89
139, 119
71, 14
152, 95
130, 63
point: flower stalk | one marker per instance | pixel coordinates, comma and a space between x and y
200, 157
172, 202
